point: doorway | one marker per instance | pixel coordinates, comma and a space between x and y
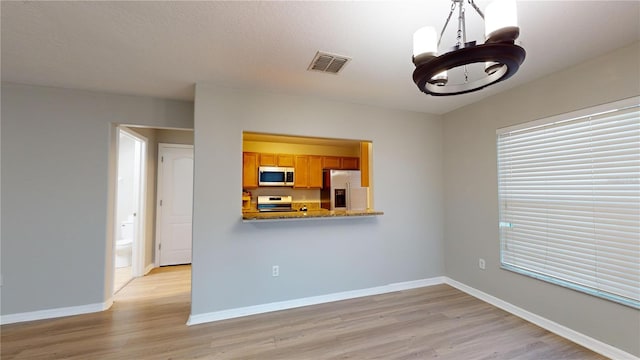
130, 217
174, 205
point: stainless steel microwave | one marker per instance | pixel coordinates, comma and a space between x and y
275, 176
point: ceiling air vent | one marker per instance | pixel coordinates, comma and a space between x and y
329, 63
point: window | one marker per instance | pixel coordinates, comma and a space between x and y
569, 196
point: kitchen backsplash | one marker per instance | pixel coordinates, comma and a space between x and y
310, 205
310, 198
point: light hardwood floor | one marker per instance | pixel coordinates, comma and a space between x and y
147, 321
121, 276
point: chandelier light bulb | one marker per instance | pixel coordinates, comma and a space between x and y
425, 44
440, 79
491, 67
501, 21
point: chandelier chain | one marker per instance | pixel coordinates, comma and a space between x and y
453, 7
463, 24
462, 36
476, 8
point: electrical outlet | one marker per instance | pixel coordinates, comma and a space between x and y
481, 264
275, 270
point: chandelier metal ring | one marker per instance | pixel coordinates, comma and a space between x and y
508, 55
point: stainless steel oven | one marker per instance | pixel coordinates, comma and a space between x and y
274, 203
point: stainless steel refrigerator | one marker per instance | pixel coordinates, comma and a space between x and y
342, 190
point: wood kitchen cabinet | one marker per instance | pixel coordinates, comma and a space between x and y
350, 163
285, 160
276, 160
365, 151
340, 163
301, 171
331, 162
268, 160
250, 170
315, 172
308, 172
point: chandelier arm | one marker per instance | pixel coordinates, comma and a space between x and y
453, 7
476, 8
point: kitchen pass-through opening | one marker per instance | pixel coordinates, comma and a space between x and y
302, 172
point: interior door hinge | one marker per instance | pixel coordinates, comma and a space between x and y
160, 202
162, 159
160, 246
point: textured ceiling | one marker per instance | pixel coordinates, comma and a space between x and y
163, 48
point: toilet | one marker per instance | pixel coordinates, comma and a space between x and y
124, 245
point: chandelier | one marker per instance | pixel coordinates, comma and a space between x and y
499, 54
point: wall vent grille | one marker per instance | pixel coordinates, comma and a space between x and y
328, 63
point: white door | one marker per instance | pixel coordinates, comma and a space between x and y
130, 211
175, 198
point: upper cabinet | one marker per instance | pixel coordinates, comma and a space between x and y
315, 172
331, 162
250, 170
350, 163
285, 160
301, 171
340, 163
276, 160
308, 172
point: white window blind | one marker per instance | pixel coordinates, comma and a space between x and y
569, 195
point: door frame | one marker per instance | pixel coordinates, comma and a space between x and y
159, 189
138, 249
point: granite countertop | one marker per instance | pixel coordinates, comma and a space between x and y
310, 214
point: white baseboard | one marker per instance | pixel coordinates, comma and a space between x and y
148, 268
313, 300
579, 338
55, 313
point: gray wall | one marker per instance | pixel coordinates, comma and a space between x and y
57, 151
172, 136
471, 206
232, 260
